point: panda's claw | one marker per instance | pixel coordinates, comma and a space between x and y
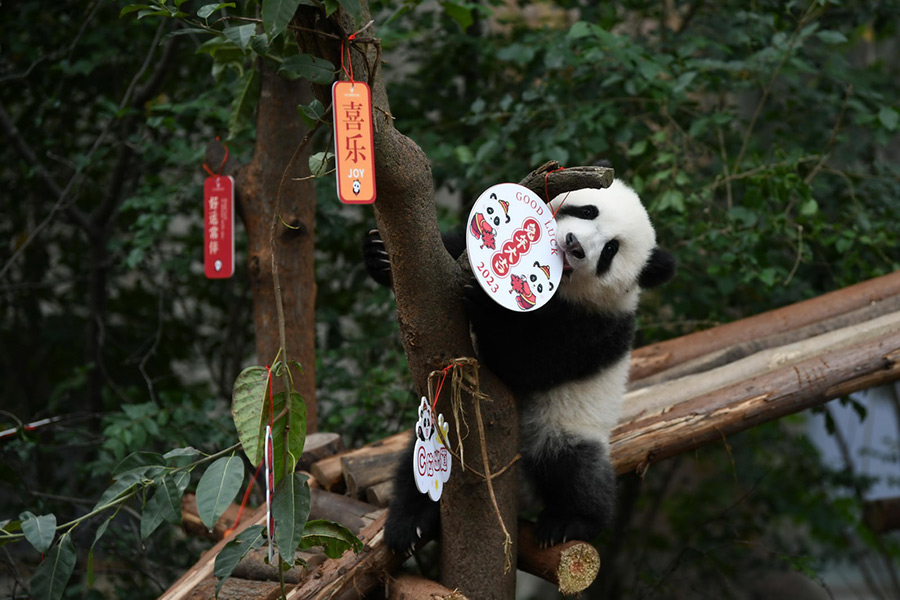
419, 532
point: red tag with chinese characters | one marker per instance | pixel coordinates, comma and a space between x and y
218, 226
353, 142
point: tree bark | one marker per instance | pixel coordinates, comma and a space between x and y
428, 288
279, 133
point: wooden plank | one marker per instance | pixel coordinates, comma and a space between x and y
657, 357
353, 575
645, 402
786, 389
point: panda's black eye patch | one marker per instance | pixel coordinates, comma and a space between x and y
588, 212
606, 256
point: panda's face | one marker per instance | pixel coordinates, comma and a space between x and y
607, 239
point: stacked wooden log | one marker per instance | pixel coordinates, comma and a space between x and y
684, 393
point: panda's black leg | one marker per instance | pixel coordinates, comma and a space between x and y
577, 484
412, 515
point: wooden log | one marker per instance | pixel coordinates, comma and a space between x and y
235, 589
572, 566
882, 515
193, 525
255, 567
329, 472
412, 587
662, 397
362, 471
353, 575
550, 179
203, 568
318, 446
784, 390
347, 511
734, 353
380, 494
657, 357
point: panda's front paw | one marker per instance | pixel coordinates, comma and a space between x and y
376, 259
552, 529
403, 530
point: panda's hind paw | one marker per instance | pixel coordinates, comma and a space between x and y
551, 530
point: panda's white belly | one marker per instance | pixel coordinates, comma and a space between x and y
586, 409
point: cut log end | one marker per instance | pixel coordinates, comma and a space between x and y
579, 565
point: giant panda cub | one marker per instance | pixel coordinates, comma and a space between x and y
566, 362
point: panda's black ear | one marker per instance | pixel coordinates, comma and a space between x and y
658, 270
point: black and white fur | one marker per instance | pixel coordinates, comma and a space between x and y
571, 381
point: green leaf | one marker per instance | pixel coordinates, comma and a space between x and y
163, 505
809, 208
316, 70
312, 113
888, 117
235, 550
244, 103
143, 463
458, 13
134, 8
50, 578
181, 457
318, 161
290, 510
241, 35
296, 420
248, 408
39, 531
351, 7
119, 488
276, 15
207, 9
218, 487
333, 538
8, 527
90, 558
832, 37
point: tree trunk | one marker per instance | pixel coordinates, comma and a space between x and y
279, 132
428, 287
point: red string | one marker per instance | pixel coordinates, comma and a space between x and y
237, 520
547, 193
349, 73
440, 385
224, 160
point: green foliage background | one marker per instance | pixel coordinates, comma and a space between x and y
763, 137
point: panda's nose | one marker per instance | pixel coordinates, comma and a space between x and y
573, 246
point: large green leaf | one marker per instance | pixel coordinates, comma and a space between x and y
163, 505
276, 15
296, 434
40, 531
119, 488
241, 35
234, 551
290, 509
143, 463
218, 487
248, 408
244, 103
333, 538
50, 578
316, 70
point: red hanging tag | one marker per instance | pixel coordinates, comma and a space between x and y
218, 226
354, 142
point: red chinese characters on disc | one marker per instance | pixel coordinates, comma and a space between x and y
218, 227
